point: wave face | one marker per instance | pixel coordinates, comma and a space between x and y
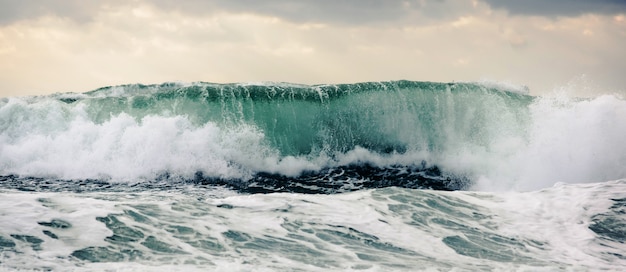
458, 135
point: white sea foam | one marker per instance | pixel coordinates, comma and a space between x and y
569, 140
381, 229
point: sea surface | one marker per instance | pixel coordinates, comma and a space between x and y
376, 176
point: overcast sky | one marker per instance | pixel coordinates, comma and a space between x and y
49, 46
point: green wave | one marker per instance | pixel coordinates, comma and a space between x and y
384, 117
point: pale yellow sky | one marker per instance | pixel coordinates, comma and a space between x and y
78, 46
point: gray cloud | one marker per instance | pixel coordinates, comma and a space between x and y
78, 10
316, 11
328, 11
559, 7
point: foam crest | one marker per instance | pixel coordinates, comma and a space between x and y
569, 140
124, 148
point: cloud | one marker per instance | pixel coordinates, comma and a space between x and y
335, 11
328, 11
78, 10
552, 8
344, 12
304, 11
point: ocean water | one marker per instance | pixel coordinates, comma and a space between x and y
380, 176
